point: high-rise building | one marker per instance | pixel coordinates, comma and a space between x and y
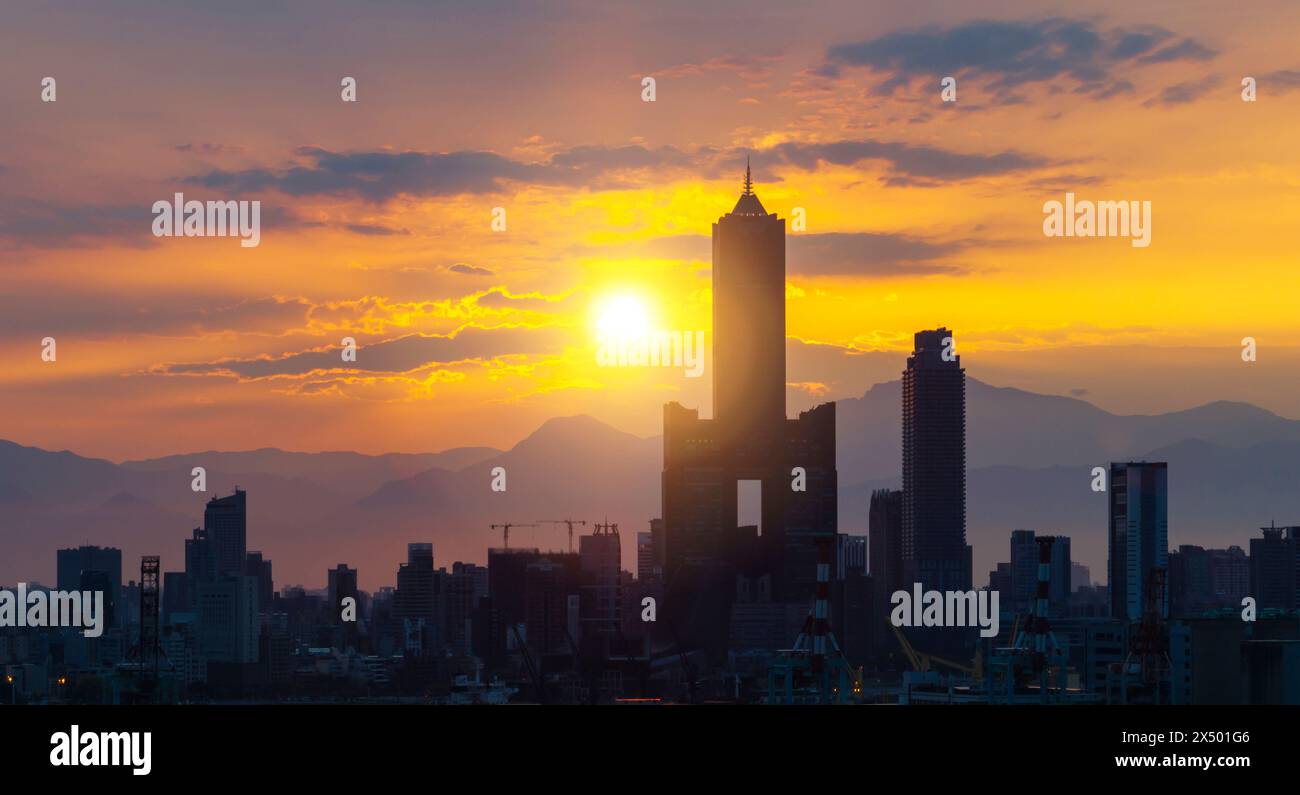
175, 596
935, 552
342, 584
1000, 581
1139, 534
1229, 575
885, 542
1274, 560
225, 520
602, 597
259, 568
749, 445
1080, 576
1207, 579
200, 563
416, 596
648, 568
551, 603
1022, 573
885, 553
462, 590
1061, 576
851, 556
228, 621
71, 563
1190, 589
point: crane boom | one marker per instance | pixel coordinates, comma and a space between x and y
569, 522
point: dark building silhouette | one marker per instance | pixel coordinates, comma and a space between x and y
935, 552
1000, 581
650, 552
342, 584
1189, 581
415, 601
1022, 574
851, 556
1207, 579
1229, 575
1139, 534
259, 568
602, 593
885, 552
885, 541
506, 570
852, 607
551, 603
73, 563
748, 439
200, 561
175, 596
225, 520
462, 591
525, 594
1273, 568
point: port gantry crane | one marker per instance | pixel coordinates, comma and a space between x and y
505, 531
569, 522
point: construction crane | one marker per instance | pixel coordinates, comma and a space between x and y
539, 681
923, 661
569, 522
505, 531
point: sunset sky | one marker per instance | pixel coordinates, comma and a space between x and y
376, 215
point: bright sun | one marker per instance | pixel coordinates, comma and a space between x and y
622, 316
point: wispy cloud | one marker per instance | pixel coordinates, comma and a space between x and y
1006, 55
396, 355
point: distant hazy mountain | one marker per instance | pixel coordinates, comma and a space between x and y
352, 473
1218, 496
1011, 427
1232, 467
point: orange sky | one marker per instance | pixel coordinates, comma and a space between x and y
377, 214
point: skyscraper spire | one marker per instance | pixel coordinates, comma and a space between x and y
749, 203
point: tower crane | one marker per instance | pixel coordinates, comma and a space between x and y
505, 531
569, 522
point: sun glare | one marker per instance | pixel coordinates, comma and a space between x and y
622, 316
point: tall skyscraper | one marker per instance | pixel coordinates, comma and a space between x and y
648, 568
200, 562
107, 561
259, 568
851, 556
1024, 572
1139, 534
462, 590
342, 584
1190, 589
935, 552
225, 519
1274, 564
748, 442
599, 555
416, 594
552, 604
885, 553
